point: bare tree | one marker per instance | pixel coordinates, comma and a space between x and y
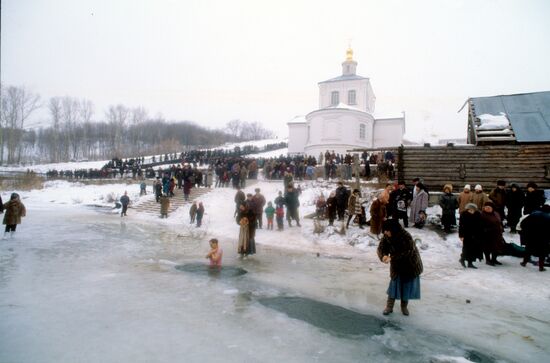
234, 127
55, 111
70, 115
116, 117
17, 105
86, 112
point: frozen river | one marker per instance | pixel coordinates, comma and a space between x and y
88, 287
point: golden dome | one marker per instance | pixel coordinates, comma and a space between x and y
349, 54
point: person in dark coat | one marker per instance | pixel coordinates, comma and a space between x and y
449, 204
1, 206
491, 234
498, 196
514, 203
247, 233
187, 186
259, 203
124, 200
535, 233
534, 198
399, 200
468, 231
399, 250
193, 212
378, 213
342, 195
280, 200
292, 203
200, 213
158, 189
240, 197
331, 208
15, 210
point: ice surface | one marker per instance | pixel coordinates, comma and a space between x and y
78, 285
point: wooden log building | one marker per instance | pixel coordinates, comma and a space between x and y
516, 152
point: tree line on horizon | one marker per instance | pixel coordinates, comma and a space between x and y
123, 132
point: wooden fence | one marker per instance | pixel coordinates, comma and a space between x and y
465, 164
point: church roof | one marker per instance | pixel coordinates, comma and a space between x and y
298, 120
351, 77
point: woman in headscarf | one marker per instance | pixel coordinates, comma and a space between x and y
399, 250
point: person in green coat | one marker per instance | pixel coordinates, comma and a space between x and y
269, 213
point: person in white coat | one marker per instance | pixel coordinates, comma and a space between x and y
419, 202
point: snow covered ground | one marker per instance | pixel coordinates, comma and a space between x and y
79, 283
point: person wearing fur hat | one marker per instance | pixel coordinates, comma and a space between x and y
514, 203
491, 234
449, 204
399, 250
468, 231
464, 198
498, 196
534, 198
378, 214
479, 197
15, 210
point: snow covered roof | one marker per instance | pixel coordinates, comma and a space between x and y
528, 114
345, 106
351, 77
298, 120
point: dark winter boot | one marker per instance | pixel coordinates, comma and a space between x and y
462, 262
471, 265
389, 306
495, 262
541, 264
404, 309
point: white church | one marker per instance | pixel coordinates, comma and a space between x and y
345, 119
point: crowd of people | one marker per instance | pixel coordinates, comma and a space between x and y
223, 163
482, 217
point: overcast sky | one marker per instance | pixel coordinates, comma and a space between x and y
214, 61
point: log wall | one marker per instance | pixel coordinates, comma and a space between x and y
460, 165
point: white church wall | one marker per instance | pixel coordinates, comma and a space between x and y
297, 138
388, 132
338, 129
363, 96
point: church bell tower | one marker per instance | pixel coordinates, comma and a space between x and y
349, 66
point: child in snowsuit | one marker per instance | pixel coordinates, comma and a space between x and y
164, 206
269, 213
280, 215
192, 213
200, 213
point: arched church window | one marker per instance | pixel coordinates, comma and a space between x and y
334, 98
351, 97
362, 131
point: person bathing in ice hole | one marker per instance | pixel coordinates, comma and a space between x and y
215, 254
